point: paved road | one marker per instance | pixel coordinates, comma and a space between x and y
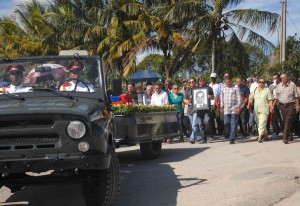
246, 174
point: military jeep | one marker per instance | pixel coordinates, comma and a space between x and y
48, 126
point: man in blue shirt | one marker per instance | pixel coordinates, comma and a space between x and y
244, 92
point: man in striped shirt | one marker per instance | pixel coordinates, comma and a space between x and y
230, 105
287, 96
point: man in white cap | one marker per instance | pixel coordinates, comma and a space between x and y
75, 71
216, 121
15, 74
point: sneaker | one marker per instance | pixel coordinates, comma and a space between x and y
203, 142
192, 142
231, 142
198, 139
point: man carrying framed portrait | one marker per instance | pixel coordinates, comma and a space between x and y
201, 103
188, 100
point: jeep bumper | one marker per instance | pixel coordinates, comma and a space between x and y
54, 162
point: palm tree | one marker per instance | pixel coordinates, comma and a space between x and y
235, 26
27, 35
165, 27
118, 31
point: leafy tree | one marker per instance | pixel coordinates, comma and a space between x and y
234, 25
152, 61
28, 34
292, 63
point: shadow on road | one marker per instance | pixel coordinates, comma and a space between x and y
143, 182
154, 182
48, 195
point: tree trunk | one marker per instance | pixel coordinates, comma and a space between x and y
213, 56
167, 64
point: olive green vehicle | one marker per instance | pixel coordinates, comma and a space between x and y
55, 128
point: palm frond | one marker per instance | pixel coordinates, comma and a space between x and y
254, 38
255, 19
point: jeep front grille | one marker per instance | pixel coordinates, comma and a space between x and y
26, 124
28, 142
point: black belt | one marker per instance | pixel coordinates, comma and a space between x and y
286, 104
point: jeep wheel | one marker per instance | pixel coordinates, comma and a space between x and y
103, 186
151, 150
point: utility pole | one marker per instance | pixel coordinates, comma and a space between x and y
283, 32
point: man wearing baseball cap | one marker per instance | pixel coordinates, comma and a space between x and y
216, 124
15, 75
75, 71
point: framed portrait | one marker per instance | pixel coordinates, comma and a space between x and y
200, 99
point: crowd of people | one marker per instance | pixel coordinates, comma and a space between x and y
227, 108
205, 108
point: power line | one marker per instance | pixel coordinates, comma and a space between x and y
292, 21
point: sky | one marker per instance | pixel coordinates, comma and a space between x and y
292, 17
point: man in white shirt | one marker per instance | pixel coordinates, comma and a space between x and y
214, 85
159, 97
277, 122
15, 74
254, 85
215, 112
75, 70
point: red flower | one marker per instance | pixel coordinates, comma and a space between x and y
67, 84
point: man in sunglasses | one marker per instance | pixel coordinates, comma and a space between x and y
15, 75
195, 131
75, 71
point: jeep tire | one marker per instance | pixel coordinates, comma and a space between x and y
103, 186
151, 150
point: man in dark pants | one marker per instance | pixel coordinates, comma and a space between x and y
204, 116
216, 123
277, 123
244, 92
287, 96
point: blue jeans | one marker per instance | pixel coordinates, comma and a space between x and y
231, 124
204, 120
195, 134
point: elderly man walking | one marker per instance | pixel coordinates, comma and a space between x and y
287, 96
230, 106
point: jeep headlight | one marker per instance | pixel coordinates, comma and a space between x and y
76, 129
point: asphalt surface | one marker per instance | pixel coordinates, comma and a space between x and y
246, 173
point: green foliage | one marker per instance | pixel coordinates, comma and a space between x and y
292, 63
118, 30
152, 61
130, 109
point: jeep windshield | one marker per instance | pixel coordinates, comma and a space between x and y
68, 76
